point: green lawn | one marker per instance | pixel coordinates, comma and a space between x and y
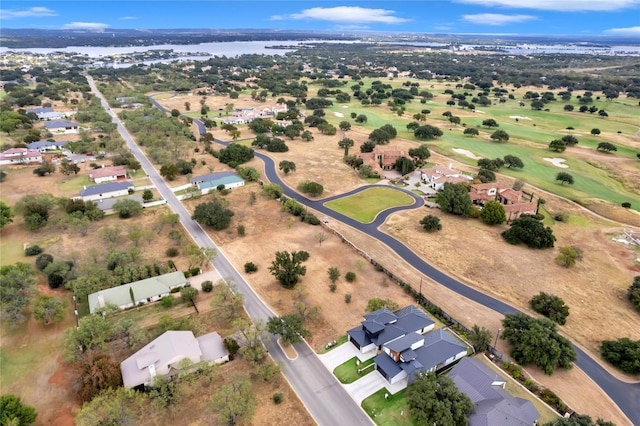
388, 412
339, 341
348, 371
366, 205
74, 183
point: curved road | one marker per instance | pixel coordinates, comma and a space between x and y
321, 393
625, 395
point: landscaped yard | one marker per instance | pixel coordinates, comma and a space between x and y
366, 205
393, 411
353, 369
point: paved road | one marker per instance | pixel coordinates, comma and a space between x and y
327, 401
625, 395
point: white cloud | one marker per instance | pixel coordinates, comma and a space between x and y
128, 18
558, 5
630, 31
32, 12
496, 19
345, 15
85, 26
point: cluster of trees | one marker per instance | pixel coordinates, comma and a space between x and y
16, 289
436, 399
214, 214
560, 145
530, 231
536, 341
287, 267
235, 154
623, 353
270, 144
633, 293
551, 306
312, 188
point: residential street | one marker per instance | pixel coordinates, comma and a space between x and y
322, 394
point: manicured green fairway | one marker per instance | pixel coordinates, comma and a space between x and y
366, 205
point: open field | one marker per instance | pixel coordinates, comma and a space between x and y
366, 205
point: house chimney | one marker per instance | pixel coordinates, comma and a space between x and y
84, 186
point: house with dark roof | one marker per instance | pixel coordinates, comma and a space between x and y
166, 356
415, 354
61, 126
383, 326
44, 146
493, 405
105, 190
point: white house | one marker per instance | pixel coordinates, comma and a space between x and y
105, 190
20, 156
438, 175
107, 174
62, 126
166, 355
210, 182
44, 146
143, 291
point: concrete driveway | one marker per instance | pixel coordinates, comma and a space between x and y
342, 354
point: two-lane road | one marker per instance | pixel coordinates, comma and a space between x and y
326, 400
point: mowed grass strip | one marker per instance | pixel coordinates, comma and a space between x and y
393, 411
366, 205
347, 372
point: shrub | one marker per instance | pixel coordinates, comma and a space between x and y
207, 286
277, 398
623, 353
250, 267
43, 260
32, 250
172, 251
568, 256
241, 230
350, 277
626, 205
347, 298
633, 293
333, 287
551, 306
167, 301
232, 346
431, 223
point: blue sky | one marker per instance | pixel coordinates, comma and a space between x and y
541, 17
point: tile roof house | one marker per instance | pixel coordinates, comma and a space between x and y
493, 404
105, 190
165, 356
415, 354
211, 181
383, 326
20, 156
62, 126
105, 174
438, 175
144, 291
516, 203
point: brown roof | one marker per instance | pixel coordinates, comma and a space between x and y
520, 208
108, 171
511, 195
490, 185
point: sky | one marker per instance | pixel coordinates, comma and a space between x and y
535, 17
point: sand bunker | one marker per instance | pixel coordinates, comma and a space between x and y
338, 114
466, 153
557, 162
519, 117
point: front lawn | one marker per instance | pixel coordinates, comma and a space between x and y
393, 411
366, 205
347, 372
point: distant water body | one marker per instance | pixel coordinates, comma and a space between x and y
227, 48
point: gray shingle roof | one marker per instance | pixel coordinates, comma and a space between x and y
493, 404
105, 188
59, 123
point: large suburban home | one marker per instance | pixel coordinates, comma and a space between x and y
381, 159
106, 174
516, 203
438, 175
211, 181
383, 326
415, 354
47, 114
166, 356
138, 292
20, 156
247, 115
46, 146
493, 405
61, 126
105, 190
